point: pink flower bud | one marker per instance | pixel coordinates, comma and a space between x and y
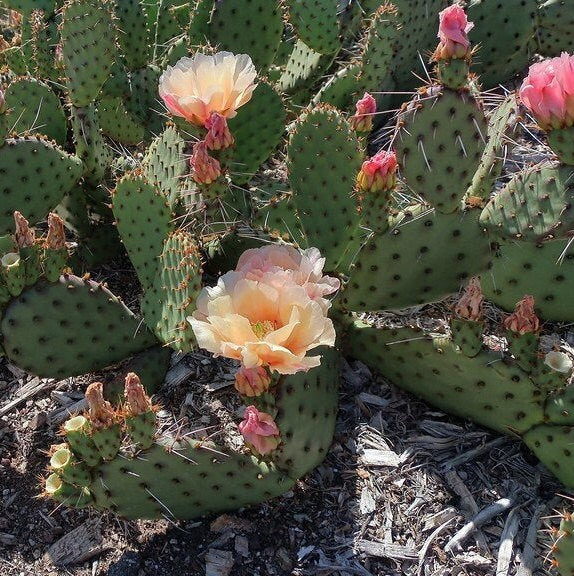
378, 173
259, 430
218, 134
469, 305
205, 168
548, 92
523, 320
362, 121
24, 235
252, 381
452, 33
56, 238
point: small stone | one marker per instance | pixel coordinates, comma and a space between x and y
38, 420
127, 565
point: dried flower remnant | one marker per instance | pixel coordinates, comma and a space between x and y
56, 238
100, 411
197, 87
453, 34
362, 121
138, 402
523, 320
469, 306
24, 235
259, 430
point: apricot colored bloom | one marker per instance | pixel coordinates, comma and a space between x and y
252, 381
259, 430
378, 173
523, 320
452, 33
218, 135
261, 324
205, 169
548, 92
469, 305
196, 87
280, 264
362, 121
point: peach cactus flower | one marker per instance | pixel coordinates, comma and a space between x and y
452, 33
261, 324
196, 87
280, 264
362, 121
548, 92
378, 173
252, 381
259, 430
523, 320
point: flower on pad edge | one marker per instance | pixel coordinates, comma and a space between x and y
452, 33
197, 87
259, 430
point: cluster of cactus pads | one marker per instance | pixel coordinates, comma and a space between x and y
431, 214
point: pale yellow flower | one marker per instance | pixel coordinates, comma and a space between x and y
197, 87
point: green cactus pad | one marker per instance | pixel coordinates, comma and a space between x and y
90, 144
340, 87
166, 20
559, 407
251, 27
44, 37
164, 164
257, 128
142, 98
498, 60
500, 127
119, 124
143, 221
88, 38
439, 145
278, 218
536, 205
167, 304
561, 143
423, 257
198, 29
545, 270
34, 176
141, 429
467, 335
316, 24
484, 388
68, 328
323, 159
554, 446
555, 27
194, 480
306, 418
33, 107
132, 33
563, 548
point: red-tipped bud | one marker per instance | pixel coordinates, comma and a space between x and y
469, 306
259, 430
24, 235
362, 121
56, 238
523, 320
100, 411
137, 400
218, 135
205, 168
452, 33
378, 173
252, 381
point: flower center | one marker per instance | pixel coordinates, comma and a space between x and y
261, 329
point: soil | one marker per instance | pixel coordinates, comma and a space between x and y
401, 479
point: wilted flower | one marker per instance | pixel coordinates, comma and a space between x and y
452, 33
252, 381
101, 413
24, 235
56, 238
218, 135
137, 400
205, 169
259, 430
548, 92
558, 361
278, 265
378, 173
362, 121
196, 87
523, 320
261, 324
469, 305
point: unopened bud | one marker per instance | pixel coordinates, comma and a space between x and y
218, 135
205, 168
362, 121
378, 173
252, 381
